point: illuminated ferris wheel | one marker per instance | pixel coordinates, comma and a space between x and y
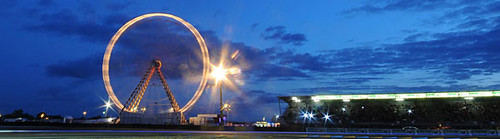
132, 103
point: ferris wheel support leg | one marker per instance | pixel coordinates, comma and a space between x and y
171, 97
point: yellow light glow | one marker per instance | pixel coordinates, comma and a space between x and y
219, 73
114, 39
84, 113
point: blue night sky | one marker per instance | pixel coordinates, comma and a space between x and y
51, 50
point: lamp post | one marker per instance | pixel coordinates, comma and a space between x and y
84, 114
220, 102
219, 74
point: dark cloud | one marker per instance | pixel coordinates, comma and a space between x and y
452, 55
351, 80
84, 69
253, 26
153, 39
65, 23
380, 6
279, 34
261, 97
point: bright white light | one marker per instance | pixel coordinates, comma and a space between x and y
277, 116
346, 100
410, 111
400, 99
316, 100
343, 109
295, 99
362, 107
469, 98
327, 116
304, 115
219, 73
311, 115
108, 104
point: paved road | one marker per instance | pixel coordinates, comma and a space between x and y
132, 134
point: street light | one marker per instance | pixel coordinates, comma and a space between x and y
84, 114
42, 115
227, 108
219, 73
327, 118
108, 105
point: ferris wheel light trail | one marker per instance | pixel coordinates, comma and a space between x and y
114, 39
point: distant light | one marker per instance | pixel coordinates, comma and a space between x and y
362, 107
296, 99
468, 98
311, 115
277, 116
343, 109
305, 115
346, 100
410, 111
400, 99
316, 100
327, 117
108, 104
84, 113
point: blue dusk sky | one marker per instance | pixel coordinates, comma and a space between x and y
52, 50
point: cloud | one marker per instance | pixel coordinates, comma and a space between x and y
84, 69
457, 55
282, 36
381, 6
351, 80
154, 39
65, 23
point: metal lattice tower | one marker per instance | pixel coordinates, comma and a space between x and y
135, 98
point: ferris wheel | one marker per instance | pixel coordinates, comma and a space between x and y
131, 105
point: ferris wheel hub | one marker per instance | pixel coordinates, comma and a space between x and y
157, 63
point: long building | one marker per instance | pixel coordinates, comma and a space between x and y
467, 109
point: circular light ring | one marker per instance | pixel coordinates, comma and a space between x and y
111, 44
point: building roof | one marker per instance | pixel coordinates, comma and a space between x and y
401, 96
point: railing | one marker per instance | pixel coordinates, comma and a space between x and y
425, 132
